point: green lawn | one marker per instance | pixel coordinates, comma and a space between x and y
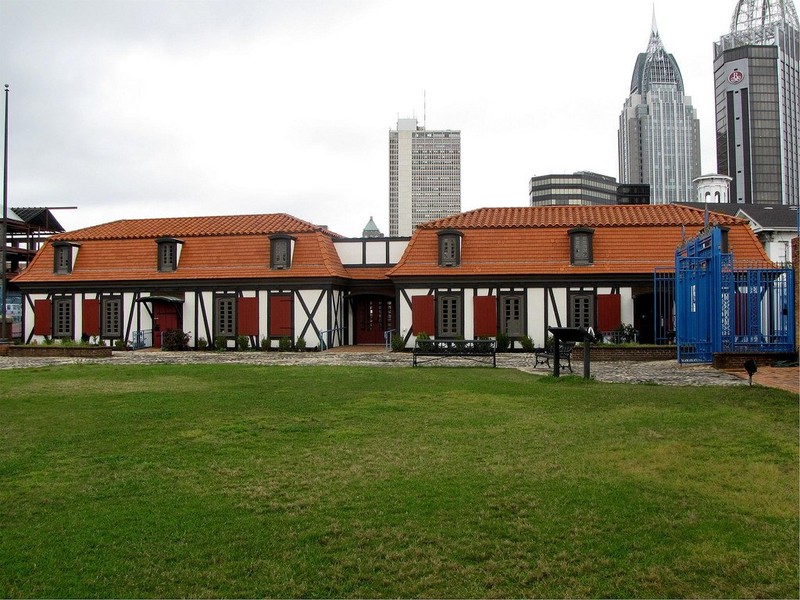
235, 480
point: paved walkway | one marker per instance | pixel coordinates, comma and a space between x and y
657, 372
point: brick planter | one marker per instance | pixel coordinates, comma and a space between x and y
735, 360
65, 351
627, 353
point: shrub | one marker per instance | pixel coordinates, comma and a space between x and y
65, 341
423, 336
202, 343
301, 344
398, 343
242, 342
48, 341
120, 344
265, 343
220, 343
527, 343
175, 339
503, 342
285, 343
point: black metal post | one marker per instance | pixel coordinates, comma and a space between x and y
4, 331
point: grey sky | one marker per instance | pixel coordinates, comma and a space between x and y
132, 109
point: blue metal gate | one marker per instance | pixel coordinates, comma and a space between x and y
721, 308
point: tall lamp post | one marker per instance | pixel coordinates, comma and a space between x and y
4, 331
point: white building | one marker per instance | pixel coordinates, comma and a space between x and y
659, 133
424, 176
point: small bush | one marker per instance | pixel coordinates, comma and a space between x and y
242, 342
175, 339
301, 344
265, 343
65, 341
503, 342
220, 343
423, 336
398, 343
284, 344
202, 343
48, 341
527, 343
120, 344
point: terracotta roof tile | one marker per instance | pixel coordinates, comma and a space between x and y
180, 227
575, 216
535, 240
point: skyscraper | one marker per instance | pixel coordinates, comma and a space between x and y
659, 134
757, 84
424, 176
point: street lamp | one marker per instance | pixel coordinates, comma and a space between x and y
4, 330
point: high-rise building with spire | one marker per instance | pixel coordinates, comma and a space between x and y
659, 133
757, 84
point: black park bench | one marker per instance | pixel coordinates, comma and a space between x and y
477, 350
544, 357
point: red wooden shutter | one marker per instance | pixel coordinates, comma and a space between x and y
485, 320
280, 315
91, 317
423, 314
247, 316
608, 312
43, 317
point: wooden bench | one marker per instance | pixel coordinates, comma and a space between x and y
565, 355
477, 350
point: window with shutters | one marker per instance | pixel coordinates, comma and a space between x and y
280, 252
449, 315
167, 255
111, 315
226, 316
449, 248
512, 315
63, 258
581, 309
63, 317
580, 245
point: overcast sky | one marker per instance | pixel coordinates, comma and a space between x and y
135, 109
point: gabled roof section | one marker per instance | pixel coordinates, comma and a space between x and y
576, 216
183, 227
534, 241
234, 248
39, 217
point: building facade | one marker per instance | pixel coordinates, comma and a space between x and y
581, 188
757, 85
659, 133
424, 175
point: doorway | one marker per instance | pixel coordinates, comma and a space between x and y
373, 316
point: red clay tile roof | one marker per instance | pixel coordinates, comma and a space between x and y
535, 240
234, 247
180, 227
575, 216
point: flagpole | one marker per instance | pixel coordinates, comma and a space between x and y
4, 330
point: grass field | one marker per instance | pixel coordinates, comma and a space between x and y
234, 480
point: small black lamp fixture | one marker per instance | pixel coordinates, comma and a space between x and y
751, 368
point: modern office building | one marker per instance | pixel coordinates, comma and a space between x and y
583, 187
424, 176
757, 84
659, 133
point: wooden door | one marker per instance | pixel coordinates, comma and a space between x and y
374, 316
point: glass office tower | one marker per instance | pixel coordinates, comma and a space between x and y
757, 84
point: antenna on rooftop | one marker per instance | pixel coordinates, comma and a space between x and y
424, 109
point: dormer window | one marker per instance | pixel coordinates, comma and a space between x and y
580, 246
280, 251
168, 254
63, 257
449, 248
